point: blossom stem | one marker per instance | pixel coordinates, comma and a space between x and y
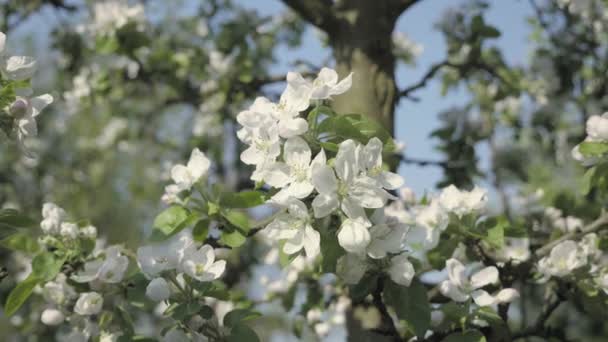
594, 226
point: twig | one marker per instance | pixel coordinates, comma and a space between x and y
591, 228
387, 327
538, 329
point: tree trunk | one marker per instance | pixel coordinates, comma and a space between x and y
362, 44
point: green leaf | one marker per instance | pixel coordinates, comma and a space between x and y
593, 149
21, 242
184, 311
200, 232
233, 239
243, 199
587, 180
359, 291
47, 265
14, 219
467, 336
20, 294
496, 234
236, 316
331, 251
411, 305
238, 219
171, 221
241, 332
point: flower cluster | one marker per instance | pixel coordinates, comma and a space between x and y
18, 118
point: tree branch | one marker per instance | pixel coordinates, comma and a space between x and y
425, 79
387, 327
316, 12
538, 329
591, 228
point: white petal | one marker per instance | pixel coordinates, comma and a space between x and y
295, 244
346, 163
482, 298
312, 242
456, 272
300, 189
353, 236
390, 180
372, 154
296, 152
325, 204
324, 179
277, 175
450, 290
366, 193
198, 165
352, 209
20, 67
39, 102
343, 85
2, 41
217, 269
401, 270
291, 127
252, 156
181, 176
297, 208
507, 295
486, 276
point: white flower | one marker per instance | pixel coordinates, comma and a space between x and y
295, 174
428, 223
350, 190
387, 232
25, 111
201, 264
294, 227
354, 235
158, 290
156, 258
460, 288
401, 270
597, 127
371, 163
563, 259
351, 268
52, 216
171, 194
109, 270
52, 317
405, 47
58, 291
89, 303
463, 202
324, 86
287, 111
109, 337
264, 148
69, 230
88, 232
17, 68
110, 15
185, 176
516, 250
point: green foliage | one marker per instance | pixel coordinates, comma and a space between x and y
467, 336
20, 294
46, 265
171, 221
593, 149
242, 332
243, 199
237, 316
411, 305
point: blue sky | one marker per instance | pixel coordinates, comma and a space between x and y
416, 120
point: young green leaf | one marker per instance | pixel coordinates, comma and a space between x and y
20, 294
411, 304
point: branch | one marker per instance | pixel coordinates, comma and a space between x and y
426, 162
387, 327
316, 12
402, 5
425, 79
538, 329
591, 228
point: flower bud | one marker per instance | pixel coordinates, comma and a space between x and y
19, 108
89, 303
158, 290
52, 317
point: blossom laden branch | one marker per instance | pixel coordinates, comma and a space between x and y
599, 223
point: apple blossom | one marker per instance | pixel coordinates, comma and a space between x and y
109, 270
563, 259
371, 164
324, 86
350, 191
201, 265
89, 303
185, 176
158, 289
52, 317
354, 235
463, 202
460, 288
597, 127
294, 227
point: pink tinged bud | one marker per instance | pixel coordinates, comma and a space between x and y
19, 108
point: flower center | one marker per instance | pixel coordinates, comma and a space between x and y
199, 269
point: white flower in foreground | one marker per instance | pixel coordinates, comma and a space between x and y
52, 317
463, 202
324, 86
294, 176
460, 288
156, 258
17, 68
563, 259
294, 227
350, 191
52, 217
597, 127
387, 232
69, 230
354, 235
185, 176
351, 268
109, 270
401, 270
25, 111
201, 264
371, 163
89, 303
158, 289
264, 145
